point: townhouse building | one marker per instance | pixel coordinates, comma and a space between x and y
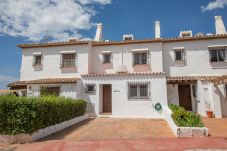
132, 78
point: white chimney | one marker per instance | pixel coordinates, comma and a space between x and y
98, 35
157, 30
219, 25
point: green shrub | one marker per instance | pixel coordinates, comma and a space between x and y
27, 115
183, 118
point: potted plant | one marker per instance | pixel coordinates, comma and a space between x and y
209, 112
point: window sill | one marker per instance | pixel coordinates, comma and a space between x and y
138, 65
37, 67
69, 67
139, 99
218, 65
180, 63
106, 63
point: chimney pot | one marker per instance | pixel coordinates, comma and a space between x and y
98, 35
219, 25
157, 30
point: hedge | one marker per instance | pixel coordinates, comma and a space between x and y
27, 115
183, 118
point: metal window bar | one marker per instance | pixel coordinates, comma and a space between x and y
139, 90
69, 60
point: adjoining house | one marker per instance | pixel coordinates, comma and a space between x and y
132, 78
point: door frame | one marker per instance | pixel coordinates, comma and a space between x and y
103, 86
190, 96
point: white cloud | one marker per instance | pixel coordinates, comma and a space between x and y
103, 2
5, 80
34, 18
214, 5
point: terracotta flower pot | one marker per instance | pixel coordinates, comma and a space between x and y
210, 114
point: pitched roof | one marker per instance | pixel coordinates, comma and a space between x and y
94, 43
44, 81
121, 74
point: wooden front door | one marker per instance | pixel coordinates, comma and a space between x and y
107, 98
184, 92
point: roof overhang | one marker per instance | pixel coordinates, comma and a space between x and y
188, 79
122, 74
44, 81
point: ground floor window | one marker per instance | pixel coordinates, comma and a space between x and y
90, 88
49, 91
138, 90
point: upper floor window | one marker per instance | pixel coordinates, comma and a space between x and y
68, 60
106, 58
140, 58
138, 90
179, 54
37, 60
218, 55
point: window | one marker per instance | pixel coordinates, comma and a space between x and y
37, 60
140, 58
218, 55
50, 91
106, 58
138, 90
90, 88
68, 60
179, 55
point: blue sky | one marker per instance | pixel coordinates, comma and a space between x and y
29, 22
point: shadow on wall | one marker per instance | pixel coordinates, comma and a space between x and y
69, 70
141, 68
223, 101
87, 97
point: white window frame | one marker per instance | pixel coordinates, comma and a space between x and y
35, 59
62, 59
218, 58
87, 86
103, 58
138, 90
140, 62
182, 51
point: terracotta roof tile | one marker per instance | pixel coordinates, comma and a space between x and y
50, 44
164, 40
121, 74
44, 81
179, 79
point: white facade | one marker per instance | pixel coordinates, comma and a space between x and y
122, 106
156, 60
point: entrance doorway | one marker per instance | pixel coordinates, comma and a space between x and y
185, 100
107, 98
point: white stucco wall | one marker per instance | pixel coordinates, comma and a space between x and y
172, 94
155, 50
197, 58
51, 62
121, 105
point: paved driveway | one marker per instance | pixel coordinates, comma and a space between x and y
217, 126
113, 128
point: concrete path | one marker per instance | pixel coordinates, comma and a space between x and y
113, 128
